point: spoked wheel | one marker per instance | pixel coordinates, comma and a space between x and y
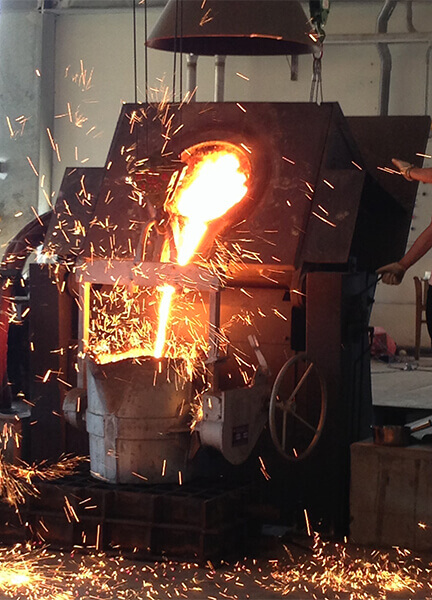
298, 405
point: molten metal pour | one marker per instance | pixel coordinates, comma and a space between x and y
213, 181
162, 312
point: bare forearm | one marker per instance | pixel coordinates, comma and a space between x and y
411, 172
422, 244
424, 175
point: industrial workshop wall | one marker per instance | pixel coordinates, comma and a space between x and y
94, 73
20, 49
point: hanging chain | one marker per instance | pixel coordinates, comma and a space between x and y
316, 93
319, 10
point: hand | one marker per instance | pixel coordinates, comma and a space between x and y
404, 168
392, 274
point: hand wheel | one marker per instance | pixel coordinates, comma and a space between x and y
298, 405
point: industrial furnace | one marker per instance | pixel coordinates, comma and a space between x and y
221, 282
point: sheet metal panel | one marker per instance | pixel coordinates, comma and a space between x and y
285, 142
388, 202
73, 210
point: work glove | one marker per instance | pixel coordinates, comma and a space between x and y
392, 274
404, 168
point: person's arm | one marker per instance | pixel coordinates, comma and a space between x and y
422, 244
393, 273
413, 173
418, 174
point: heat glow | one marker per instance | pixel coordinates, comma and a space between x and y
164, 310
215, 185
168, 322
212, 185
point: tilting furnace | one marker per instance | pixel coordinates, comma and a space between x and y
224, 274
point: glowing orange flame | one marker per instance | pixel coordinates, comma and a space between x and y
164, 310
122, 324
211, 186
215, 185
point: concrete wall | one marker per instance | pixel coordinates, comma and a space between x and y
94, 74
394, 307
20, 86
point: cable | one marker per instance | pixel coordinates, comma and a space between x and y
175, 50
145, 52
146, 73
181, 51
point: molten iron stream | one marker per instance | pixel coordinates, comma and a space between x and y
215, 185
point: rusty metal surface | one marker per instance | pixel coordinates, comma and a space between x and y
307, 176
336, 198
51, 328
147, 274
75, 204
310, 189
270, 314
261, 27
338, 307
292, 148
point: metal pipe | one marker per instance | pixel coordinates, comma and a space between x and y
379, 38
409, 17
46, 110
73, 7
428, 56
385, 56
219, 90
191, 83
102, 4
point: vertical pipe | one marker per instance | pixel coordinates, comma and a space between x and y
83, 332
5, 389
192, 60
219, 91
294, 67
214, 336
409, 17
46, 107
427, 79
134, 37
385, 56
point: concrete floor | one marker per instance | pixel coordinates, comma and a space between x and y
403, 382
325, 572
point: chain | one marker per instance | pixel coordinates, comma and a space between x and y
316, 93
319, 11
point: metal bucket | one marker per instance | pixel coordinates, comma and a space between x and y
137, 420
391, 435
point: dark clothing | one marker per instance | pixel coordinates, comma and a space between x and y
429, 310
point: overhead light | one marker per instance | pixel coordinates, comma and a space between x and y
234, 27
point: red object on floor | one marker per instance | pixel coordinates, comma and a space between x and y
382, 344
